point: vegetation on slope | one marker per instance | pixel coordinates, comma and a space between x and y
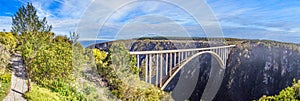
5, 75
8, 40
122, 74
7, 46
5, 80
54, 65
4, 59
247, 62
288, 94
38, 93
47, 59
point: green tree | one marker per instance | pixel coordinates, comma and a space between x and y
26, 21
120, 57
33, 33
74, 37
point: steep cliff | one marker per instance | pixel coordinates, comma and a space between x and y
259, 68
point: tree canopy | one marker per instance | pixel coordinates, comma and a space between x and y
27, 21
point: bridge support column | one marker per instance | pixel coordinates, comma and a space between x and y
170, 67
186, 55
138, 61
167, 60
161, 66
150, 68
156, 80
179, 58
174, 60
146, 68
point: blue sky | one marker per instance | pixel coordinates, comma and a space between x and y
249, 19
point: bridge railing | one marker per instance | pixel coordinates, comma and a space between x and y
161, 64
178, 50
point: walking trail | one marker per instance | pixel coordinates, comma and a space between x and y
18, 81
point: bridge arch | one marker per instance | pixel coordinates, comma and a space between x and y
215, 55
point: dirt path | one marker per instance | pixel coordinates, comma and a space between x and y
18, 82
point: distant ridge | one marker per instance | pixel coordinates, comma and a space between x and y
187, 38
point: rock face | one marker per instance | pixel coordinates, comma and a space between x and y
254, 68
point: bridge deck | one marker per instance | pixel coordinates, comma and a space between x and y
177, 50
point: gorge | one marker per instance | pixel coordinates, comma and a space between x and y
254, 68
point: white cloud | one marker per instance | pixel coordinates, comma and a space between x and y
41, 11
63, 26
99, 11
295, 30
87, 16
65, 17
95, 16
5, 23
74, 8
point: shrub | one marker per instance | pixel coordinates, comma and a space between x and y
5, 80
100, 57
288, 94
61, 39
57, 91
38, 93
8, 40
66, 91
122, 75
81, 58
120, 57
96, 93
4, 59
52, 62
